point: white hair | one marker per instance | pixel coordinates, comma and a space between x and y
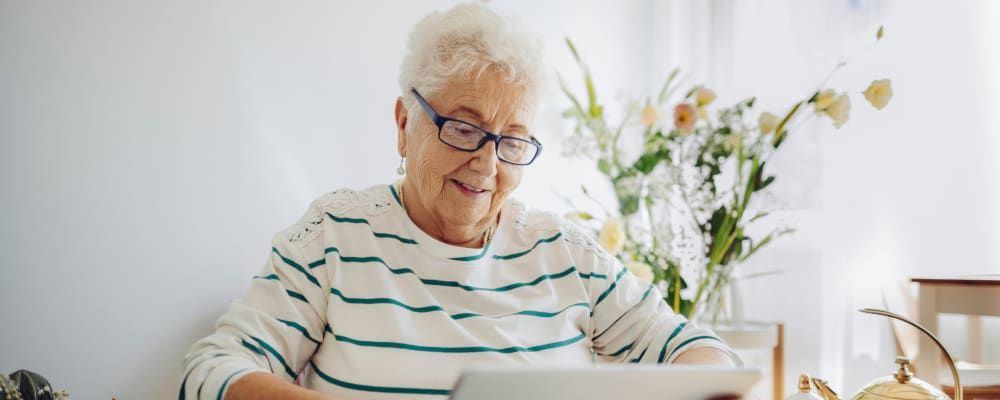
465, 42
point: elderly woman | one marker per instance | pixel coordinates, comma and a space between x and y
390, 291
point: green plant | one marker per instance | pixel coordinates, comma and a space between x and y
684, 186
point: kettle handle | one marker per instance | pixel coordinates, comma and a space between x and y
951, 364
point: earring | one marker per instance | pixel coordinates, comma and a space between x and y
401, 170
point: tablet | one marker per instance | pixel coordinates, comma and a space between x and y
603, 382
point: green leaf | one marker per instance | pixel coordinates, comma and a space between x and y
629, 204
716, 222
686, 308
572, 98
647, 162
779, 131
572, 49
812, 99
595, 109
779, 138
735, 250
665, 90
758, 174
765, 182
767, 239
759, 216
604, 166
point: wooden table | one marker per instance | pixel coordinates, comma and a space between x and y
760, 335
971, 295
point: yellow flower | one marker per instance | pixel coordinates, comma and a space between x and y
578, 215
704, 96
640, 270
684, 117
649, 116
768, 122
612, 236
839, 110
879, 93
825, 99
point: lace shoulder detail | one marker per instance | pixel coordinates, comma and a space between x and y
531, 220
342, 203
576, 235
306, 229
372, 201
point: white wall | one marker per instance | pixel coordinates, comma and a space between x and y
148, 151
908, 191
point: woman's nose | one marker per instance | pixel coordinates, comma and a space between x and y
484, 161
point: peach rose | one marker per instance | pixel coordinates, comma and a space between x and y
685, 115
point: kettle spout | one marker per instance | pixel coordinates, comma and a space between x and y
824, 391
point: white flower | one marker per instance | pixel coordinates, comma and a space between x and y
640, 270
612, 236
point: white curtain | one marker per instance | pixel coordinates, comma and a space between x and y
907, 191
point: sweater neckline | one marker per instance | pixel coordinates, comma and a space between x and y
442, 250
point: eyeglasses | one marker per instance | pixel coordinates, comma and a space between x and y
464, 136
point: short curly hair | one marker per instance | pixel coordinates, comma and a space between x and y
465, 42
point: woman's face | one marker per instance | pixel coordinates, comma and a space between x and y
450, 189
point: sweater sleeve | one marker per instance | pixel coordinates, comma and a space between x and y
632, 323
275, 327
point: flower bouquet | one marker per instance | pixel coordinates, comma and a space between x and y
684, 186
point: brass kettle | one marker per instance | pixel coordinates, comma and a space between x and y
901, 385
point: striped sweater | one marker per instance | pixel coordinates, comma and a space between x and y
356, 301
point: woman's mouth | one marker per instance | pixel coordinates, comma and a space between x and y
468, 189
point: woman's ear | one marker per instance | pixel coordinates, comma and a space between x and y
400, 127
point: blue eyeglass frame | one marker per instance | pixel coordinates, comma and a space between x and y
440, 120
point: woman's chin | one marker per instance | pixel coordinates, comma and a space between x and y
465, 213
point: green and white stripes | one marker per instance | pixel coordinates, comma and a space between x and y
459, 349
377, 389
362, 306
436, 308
